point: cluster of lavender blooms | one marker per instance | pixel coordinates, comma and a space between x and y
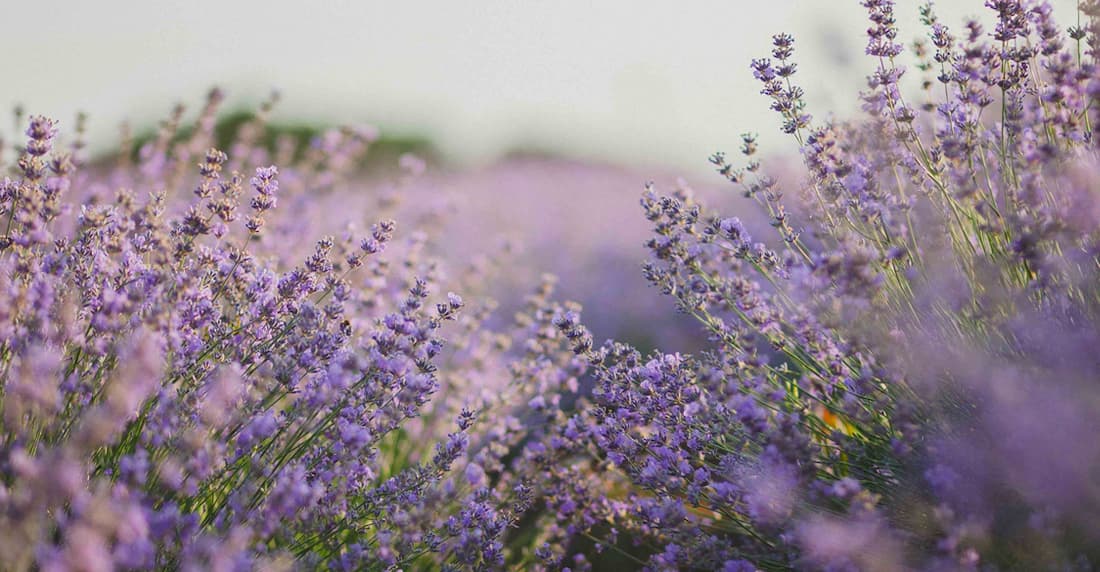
902, 374
184, 388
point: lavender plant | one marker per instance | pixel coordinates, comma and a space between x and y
183, 388
900, 376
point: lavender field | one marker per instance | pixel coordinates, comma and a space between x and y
230, 343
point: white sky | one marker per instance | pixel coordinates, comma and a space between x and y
641, 82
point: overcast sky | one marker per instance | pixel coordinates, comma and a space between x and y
632, 81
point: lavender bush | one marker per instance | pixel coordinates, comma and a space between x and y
184, 388
900, 375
